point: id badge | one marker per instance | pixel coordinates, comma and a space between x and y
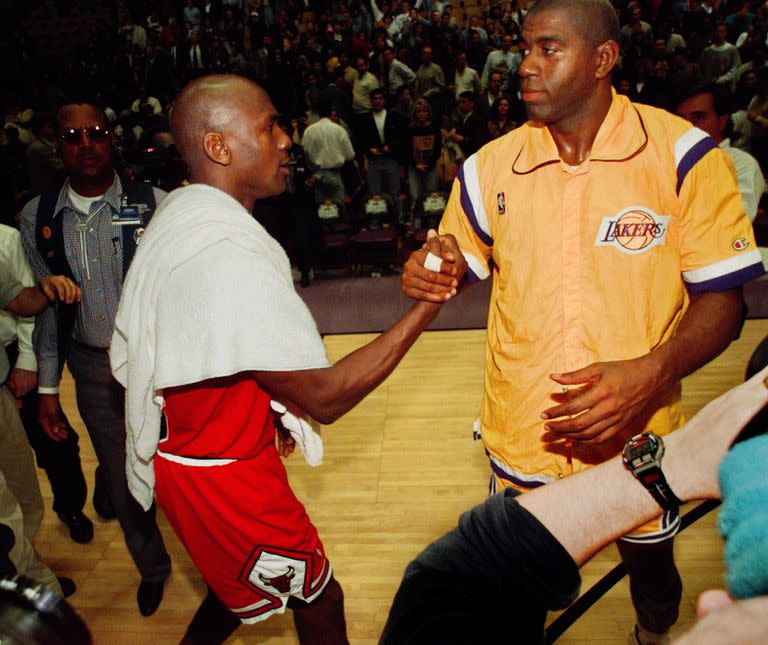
129, 214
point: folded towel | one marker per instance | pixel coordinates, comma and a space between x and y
309, 441
743, 520
209, 294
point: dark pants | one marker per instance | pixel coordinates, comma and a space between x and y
59, 459
654, 583
101, 400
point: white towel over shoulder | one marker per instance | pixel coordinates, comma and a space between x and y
209, 294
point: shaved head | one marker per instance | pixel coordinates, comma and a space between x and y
228, 132
595, 20
208, 104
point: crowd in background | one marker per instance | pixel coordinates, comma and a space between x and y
447, 72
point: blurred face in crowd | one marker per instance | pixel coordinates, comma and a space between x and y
700, 110
719, 34
422, 113
361, 66
426, 55
377, 102
494, 83
624, 87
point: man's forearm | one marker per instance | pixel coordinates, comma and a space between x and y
594, 507
28, 302
45, 341
327, 394
710, 324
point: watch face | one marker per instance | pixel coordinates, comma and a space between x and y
639, 447
640, 451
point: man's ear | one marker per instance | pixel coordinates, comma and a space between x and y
607, 55
216, 148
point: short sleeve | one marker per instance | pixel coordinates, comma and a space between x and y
466, 219
717, 244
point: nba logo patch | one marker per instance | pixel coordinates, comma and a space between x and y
501, 203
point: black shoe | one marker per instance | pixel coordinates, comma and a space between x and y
102, 504
68, 586
149, 596
80, 527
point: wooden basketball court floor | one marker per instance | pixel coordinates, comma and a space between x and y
398, 471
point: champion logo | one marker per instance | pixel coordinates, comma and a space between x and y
633, 230
740, 244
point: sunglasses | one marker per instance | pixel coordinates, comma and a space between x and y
73, 136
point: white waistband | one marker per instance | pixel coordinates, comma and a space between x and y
191, 461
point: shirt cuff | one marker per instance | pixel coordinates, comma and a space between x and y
26, 361
48, 390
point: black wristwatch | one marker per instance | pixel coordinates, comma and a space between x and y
642, 457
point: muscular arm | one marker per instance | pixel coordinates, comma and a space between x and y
326, 394
612, 393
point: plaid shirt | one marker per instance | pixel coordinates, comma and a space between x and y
93, 249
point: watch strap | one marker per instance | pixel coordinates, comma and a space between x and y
661, 492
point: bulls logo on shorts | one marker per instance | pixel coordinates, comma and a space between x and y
278, 573
633, 230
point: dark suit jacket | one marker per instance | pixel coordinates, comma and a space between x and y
394, 134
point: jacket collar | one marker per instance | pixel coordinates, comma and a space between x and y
621, 136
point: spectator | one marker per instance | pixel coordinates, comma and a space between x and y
383, 136
192, 15
44, 166
503, 60
404, 104
637, 32
422, 151
709, 107
471, 128
80, 335
397, 73
500, 120
327, 147
492, 93
430, 79
720, 61
465, 78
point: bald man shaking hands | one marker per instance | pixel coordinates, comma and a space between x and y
209, 330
